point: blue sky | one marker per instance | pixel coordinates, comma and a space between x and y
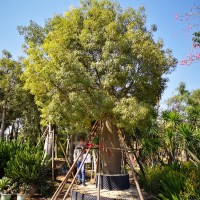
160, 12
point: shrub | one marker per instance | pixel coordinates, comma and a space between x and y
172, 185
7, 150
27, 165
173, 182
151, 182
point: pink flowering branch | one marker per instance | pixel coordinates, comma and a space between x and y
192, 20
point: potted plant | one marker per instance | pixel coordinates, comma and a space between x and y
22, 191
5, 188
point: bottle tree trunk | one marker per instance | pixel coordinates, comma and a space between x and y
110, 156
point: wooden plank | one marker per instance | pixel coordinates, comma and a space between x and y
52, 159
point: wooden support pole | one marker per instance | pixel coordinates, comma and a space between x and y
94, 162
56, 145
67, 147
66, 178
134, 176
64, 154
129, 156
53, 141
79, 169
43, 136
99, 175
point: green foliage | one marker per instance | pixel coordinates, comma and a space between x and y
172, 185
151, 181
4, 184
10, 72
172, 182
7, 150
97, 61
178, 102
171, 118
22, 162
15, 102
196, 37
27, 165
131, 113
193, 108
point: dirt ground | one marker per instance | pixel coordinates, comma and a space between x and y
130, 194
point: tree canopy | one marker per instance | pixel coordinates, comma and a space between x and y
96, 61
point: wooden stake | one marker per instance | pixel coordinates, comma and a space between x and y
64, 154
56, 145
79, 169
67, 147
131, 162
53, 138
99, 176
43, 136
66, 178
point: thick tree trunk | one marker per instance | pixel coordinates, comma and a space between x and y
110, 156
3, 123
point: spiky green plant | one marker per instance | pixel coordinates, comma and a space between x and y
27, 165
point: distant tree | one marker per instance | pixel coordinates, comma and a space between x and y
193, 108
184, 110
9, 79
178, 102
16, 104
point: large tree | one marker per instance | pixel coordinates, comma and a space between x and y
97, 62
